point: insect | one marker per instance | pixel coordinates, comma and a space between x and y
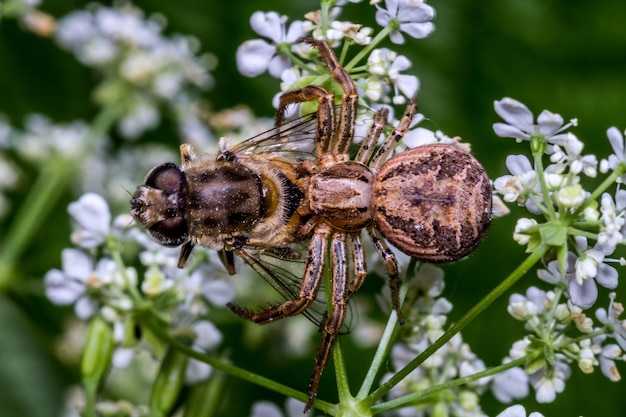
298, 183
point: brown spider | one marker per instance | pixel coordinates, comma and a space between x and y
259, 198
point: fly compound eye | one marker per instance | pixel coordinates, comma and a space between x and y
167, 177
159, 205
170, 232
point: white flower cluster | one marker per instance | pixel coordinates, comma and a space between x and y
553, 323
572, 218
573, 215
381, 79
141, 67
426, 322
94, 281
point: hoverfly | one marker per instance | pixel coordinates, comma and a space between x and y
297, 183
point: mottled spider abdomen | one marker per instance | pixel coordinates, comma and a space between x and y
433, 202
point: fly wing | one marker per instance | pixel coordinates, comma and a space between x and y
283, 269
294, 140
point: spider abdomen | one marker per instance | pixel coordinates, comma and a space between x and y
432, 202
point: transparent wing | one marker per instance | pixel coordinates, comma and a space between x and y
283, 269
294, 139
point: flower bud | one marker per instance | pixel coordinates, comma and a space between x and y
98, 350
168, 383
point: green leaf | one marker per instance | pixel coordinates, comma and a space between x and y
553, 233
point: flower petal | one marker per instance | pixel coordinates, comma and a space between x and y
518, 164
396, 37
265, 409
218, 292
267, 24
417, 30
382, 17
415, 11
583, 296
408, 85
61, 289
85, 307
507, 131
607, 276
207, 335
515, 113
294, 32
253, 57
549, 122
277, 65
91, 212
617, 141
197, 371
76, 264
513, 411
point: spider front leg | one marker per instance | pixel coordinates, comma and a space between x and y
332, 324
308, 289
332, 139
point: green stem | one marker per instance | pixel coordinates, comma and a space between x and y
365, 51
537, 155
608, 181
421, 395
155, 324
41, 199
91, 392
385, 343
533, 258
343, 387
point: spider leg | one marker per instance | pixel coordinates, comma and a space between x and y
308, 289
394, 137
392, 269
360, 266
349, 101
332, 325
325, 112
366, 150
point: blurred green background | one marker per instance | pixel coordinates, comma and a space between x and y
568, 56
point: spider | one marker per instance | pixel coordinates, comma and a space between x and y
345, 196
432, 202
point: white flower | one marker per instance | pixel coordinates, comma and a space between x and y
618, 157
141, 116
93, 220
517, 411
256, 56
510, 385
520, 122
612, 221
70, 285
42, 138
523, 182
412, 17
611, 319
547, 386
208, 337
268, 409
522, 230
571, 196
607, 362
386, 63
